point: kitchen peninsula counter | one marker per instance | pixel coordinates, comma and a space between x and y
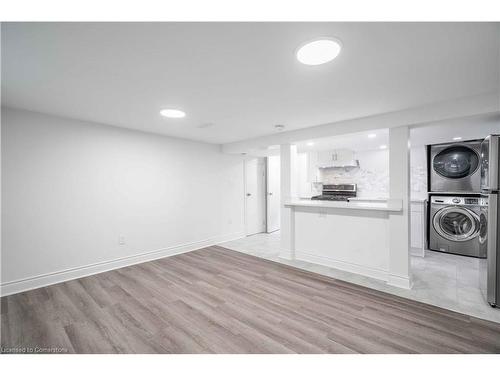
387, 205
351, 236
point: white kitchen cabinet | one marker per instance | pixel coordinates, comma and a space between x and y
304, 188
417, 222
336, 158
324, 158
312, 167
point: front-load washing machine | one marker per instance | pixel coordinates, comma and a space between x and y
454, 167
454, 225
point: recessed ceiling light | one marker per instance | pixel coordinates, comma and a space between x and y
457, 138
310, 143
382, 147
373, 135
172, 113
319, 51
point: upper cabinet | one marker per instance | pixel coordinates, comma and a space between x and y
312, 167
341, 158
324, 158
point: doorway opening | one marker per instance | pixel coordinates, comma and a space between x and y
262, 195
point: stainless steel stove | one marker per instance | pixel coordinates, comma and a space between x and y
337, 192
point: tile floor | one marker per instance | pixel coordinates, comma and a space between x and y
444, 280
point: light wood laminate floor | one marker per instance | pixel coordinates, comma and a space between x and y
216, 300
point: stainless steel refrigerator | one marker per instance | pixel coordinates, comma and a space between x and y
489, 232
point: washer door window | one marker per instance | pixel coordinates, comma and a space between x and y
456, 223
456, 162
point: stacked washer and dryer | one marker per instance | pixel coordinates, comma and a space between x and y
464, 208
454, 196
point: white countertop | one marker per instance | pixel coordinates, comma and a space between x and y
373, 199
379, 199
383, 205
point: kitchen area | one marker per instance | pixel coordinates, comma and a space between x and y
341, 217
345, 217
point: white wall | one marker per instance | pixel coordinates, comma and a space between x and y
399, 224
304, 187
71, 188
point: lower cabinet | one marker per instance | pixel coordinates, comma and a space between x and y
417, 225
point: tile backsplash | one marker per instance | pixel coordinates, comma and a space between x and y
372, 176
370, 183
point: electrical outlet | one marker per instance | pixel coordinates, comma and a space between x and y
121, 240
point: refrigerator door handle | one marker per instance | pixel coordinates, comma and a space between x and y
490, 163
492, 251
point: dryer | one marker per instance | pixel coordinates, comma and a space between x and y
455, 225
454, 167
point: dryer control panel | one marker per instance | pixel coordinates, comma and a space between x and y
459, 201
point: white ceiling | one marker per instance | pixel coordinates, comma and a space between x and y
237, 80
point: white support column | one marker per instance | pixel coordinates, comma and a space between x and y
288, 155
399, 223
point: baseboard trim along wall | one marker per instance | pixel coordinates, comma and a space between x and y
393, 280
22, 285
399, 281
374, 273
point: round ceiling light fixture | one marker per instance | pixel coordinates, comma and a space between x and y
319, 51
172, 113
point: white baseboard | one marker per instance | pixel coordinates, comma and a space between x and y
399, 281
286, 254
21, 285
343, 266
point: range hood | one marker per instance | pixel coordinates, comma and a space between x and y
342, 159
349, 164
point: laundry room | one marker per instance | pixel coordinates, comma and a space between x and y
448, 212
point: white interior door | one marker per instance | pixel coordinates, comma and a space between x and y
273, 194
255, 192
